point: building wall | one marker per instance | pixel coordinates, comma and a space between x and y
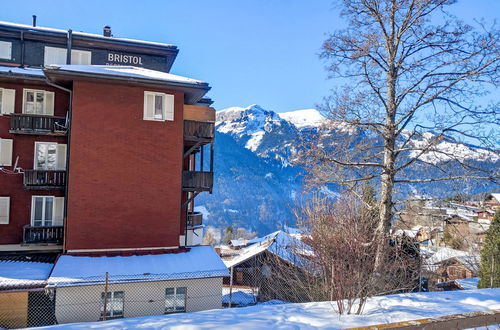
14, 309
125, 172
24, 148
83, 303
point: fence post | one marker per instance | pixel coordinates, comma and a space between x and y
105, 298
231, 287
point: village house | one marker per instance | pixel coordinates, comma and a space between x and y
102, 153
492, 201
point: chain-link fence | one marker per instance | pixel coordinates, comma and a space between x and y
107, 297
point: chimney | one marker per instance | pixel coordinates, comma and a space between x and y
106, 31
34, 20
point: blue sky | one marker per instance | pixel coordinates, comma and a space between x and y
258, 51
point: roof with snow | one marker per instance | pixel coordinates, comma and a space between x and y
496, 196
18, 274
27, 27
21, 72
194, 89
198, 262
287, 247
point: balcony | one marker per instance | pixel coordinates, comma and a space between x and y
197, 181
194, 219
43, 235
37, 124
44, 180
195, 131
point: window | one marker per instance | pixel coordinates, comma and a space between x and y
175, 300
7, 99
54, 55
6, 152
4, 210
38, 102
49, 156
6, 50
158, 106
114, 304
47, 211
80, 57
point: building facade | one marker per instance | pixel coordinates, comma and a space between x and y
102, 149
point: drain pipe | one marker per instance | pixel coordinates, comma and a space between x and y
68, 148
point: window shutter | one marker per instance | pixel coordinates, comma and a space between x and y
54, 55
6, 152
149, 102
58, 211
61, 157
169, 107
48, 107
8, 100
4, 210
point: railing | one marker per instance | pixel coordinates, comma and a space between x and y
37, 124
43, 234
44, 179
198, 129
197, 181
194, 219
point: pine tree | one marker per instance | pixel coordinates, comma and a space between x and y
490, 256
228, 235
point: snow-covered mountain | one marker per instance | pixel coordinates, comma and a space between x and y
257, 187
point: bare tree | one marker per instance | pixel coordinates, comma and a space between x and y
412, 86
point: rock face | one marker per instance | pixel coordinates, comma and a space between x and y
256, 185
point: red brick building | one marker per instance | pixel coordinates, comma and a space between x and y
98, 157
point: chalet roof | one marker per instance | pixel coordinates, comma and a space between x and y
286, 246
496, 196
23, 274
435, 256
194, 89
198, 262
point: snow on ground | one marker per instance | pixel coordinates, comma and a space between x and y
379, 310
303, 118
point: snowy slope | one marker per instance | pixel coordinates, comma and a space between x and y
303, 118
315, 315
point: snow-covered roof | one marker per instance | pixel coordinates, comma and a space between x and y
198, 262
23, 273
279, 243
126, 72
83, 34
437, 254
496, 196
17, 71
468, 283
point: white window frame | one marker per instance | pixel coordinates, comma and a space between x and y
59, 156
7, 108
4, 220
78, 55
48, 111
167, 106
175, 304
44, 205
9, 144
5, 50
110, 302
58, 56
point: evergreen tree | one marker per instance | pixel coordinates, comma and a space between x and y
490, 256
228, 235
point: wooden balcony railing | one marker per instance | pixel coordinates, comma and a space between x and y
43, 234
197, 181
194, 219
194, 130
37, 124
44, 179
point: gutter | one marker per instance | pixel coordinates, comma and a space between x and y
68, 149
